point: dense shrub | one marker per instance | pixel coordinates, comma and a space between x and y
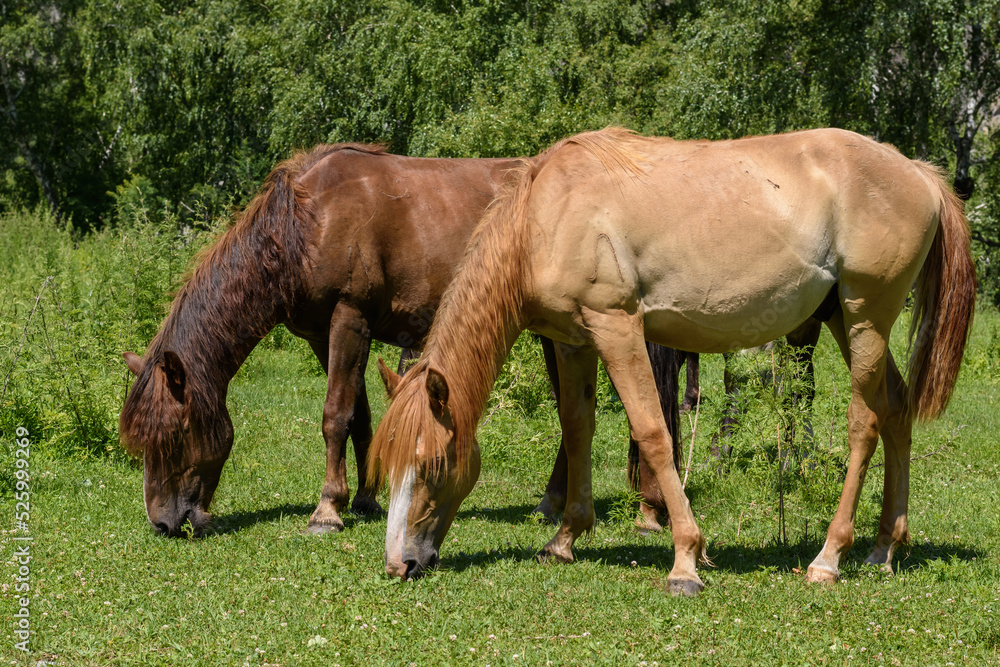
71, 304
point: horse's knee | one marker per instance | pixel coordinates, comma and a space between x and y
336, 424
864, 421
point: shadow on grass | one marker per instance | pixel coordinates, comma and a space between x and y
740, 559
519, 513
509, 514
657, 551
235, 521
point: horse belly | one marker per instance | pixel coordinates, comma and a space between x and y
745, 316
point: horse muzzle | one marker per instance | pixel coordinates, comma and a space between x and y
172, 522
416, 565
413, 564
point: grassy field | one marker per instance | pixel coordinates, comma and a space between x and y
106, 591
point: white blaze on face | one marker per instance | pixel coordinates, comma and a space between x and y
399, 507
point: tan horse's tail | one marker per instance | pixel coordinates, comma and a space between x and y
943, 308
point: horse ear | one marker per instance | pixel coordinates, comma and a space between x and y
437, 390
389, 379
133, 361
173, 369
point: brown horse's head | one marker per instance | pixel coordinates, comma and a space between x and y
430, 470
183, 436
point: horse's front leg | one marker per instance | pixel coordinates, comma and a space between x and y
577, 403
407, 357
348, 355
618, 337
665, 363
361, 436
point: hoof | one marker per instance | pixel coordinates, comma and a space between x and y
366, 506
818, 575
547, 555
545, 512
648, 520
879, 561
645, 526
684, 587
323, 528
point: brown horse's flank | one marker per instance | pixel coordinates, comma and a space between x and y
504, 297
242, 286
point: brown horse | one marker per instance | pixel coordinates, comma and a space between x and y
344, 244
608, 239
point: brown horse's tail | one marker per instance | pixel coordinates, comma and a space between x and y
943, 309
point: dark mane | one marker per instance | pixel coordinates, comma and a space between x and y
240, 288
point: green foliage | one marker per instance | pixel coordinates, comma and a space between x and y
201, 97
623, 511
523, 384
50, 130
71, 305
984, 219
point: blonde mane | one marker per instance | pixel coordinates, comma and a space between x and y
480, 317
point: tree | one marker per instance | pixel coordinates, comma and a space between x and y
42, 108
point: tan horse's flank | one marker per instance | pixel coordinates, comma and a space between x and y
608, 239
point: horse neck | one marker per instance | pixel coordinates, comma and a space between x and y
471, 361
214, 335
480, 318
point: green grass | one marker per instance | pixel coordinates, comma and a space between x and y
107, 591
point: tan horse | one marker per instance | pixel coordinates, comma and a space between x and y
609, 239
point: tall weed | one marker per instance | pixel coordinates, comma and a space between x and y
70, 305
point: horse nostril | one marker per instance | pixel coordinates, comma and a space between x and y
413, 570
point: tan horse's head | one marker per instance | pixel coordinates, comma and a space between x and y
430, 468
183, 438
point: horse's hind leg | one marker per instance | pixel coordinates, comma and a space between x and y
692, 390
865, 346
892, 528
803, 343
554, 500
618, 338
348, 355
577, 403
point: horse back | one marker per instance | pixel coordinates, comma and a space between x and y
390, 231
714, 234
